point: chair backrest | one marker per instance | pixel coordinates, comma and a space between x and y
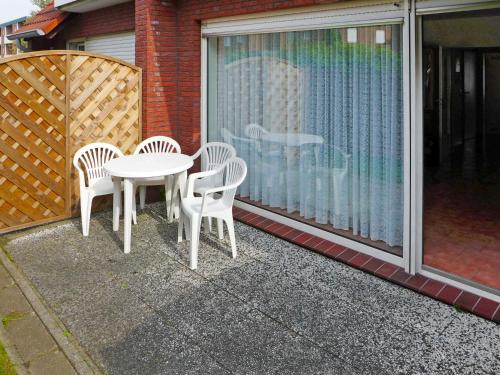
255, 131
214, 155
93, 157
235, 172
242, 145
158, 144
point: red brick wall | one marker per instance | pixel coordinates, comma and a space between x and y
156, 53
168, 49
115, 19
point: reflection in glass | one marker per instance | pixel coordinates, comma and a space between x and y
319, 122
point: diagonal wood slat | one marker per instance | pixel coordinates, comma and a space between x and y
51, 104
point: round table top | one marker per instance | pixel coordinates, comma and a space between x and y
148, 165
293, 139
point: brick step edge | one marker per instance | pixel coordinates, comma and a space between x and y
440, 291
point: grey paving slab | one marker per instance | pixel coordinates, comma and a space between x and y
51, 363
5, 279
30, 337
276, 308
12, 301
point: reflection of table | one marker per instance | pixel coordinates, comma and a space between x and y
291, 139
144, 166
294, 140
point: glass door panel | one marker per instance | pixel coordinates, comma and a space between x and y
462, 146
318, 117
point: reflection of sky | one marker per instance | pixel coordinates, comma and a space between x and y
320, 48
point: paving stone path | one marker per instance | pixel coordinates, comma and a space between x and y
29, 343
275, 309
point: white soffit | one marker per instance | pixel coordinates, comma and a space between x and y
444, 6
318, 17
82, 6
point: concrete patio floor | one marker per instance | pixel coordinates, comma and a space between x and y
276, 308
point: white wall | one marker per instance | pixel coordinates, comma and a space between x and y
120, 45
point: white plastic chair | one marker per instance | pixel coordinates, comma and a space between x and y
255, 131
94, 181
158, 144
193, 209
213, 156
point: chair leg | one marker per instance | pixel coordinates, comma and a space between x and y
220, 229
117, 197
88, 209
134, 206
83, 213
180, 228
230, 229
208, 224
195, 237
187, 227
142, 196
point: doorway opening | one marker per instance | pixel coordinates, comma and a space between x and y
461, 111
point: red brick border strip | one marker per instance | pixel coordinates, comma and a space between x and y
451, 295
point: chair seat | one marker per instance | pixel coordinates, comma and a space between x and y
192, 205
203, 184
103, 186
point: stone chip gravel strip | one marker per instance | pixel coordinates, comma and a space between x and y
275, 309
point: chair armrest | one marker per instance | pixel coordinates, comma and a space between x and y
219, 189
194, 176
197, 154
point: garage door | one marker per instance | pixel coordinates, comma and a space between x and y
120, 45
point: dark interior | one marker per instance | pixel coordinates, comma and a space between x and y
461, 107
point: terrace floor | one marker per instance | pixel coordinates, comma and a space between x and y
276, 308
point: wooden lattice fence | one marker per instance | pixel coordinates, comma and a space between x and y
51, 104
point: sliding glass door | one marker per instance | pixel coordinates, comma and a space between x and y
461, 147
318, 117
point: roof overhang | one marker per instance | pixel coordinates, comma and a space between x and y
45, 23
83, 6
26, 34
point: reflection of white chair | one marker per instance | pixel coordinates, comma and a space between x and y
265, 172
152, 145
194, 208
333, 179
255, 131
92, 158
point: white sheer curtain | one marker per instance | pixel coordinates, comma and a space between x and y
318, 118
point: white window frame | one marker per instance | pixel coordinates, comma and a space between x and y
417, 12
80, 40
379, 12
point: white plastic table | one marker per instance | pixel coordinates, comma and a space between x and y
292, 139
131, 167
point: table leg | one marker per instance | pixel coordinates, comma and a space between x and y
128, 187
173, 199
180, 183
117, 195
169, 181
